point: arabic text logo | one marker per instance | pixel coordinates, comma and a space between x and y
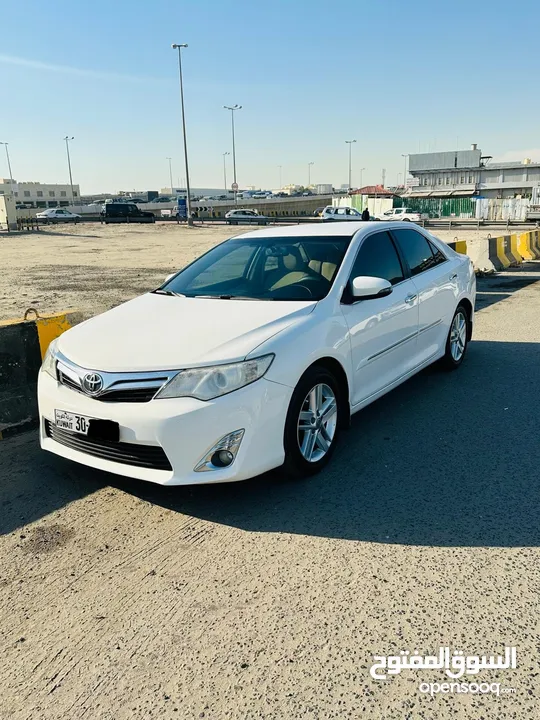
455, 665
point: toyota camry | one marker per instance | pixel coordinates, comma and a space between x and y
256, 355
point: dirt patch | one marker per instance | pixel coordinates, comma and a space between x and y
46, 539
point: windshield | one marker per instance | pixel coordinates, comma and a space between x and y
263, 269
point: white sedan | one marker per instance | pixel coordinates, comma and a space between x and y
245, 216
256, 355
56, 215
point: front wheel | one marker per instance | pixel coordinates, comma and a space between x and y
458, 339
313, 423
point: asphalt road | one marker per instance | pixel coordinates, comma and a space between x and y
268, 599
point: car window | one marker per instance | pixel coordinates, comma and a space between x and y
416, 249
264, 268
378, 257
438, 255
232, 267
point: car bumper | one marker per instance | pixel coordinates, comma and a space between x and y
184, 428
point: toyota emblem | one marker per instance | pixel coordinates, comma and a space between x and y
92, 383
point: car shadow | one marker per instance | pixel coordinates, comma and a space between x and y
444, 460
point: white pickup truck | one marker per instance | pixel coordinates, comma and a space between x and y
402, 213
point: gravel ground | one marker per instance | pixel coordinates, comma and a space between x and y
267, 599
93, 267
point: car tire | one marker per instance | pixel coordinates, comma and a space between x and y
406, 219
458, 339
316, 388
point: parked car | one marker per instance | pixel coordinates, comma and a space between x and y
332, 214
125, 212
243, 216
203, 380
404, 214
57, 215
163, 200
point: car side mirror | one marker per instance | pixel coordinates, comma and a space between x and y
369, 288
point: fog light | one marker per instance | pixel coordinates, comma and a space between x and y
222, 454
222, 458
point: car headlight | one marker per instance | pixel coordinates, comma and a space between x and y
49, 361
211, 382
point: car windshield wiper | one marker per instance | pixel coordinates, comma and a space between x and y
230, 297
160, 291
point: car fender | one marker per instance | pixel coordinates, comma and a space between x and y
300, 345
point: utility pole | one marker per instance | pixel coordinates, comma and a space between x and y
383, 176
5, 144
232, 109
179, 47
68, 139
309, 173
405, 156
225, 171
349, 143
170, 173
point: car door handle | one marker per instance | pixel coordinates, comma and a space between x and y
410, 298
453, 277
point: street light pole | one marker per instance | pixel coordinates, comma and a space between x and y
232, 109
5, 144
309, 173
349, 143
405, 168
170, 173
67, 139
225, 171
179, 47
361, 171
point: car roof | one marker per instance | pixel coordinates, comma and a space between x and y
334, 229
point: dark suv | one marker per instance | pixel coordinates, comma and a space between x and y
125, 212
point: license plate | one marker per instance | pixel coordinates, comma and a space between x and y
72, 422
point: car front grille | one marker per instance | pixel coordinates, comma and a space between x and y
146, 456
118, 387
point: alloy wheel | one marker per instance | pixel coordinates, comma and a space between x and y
458, 336
317, 422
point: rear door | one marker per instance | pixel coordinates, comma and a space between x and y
382, 331
435, 280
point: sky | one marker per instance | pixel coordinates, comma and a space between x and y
397, 77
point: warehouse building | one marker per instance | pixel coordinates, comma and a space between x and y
39, 195
469, 173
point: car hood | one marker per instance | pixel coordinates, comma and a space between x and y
160, 332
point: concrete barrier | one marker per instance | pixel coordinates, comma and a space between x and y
23, 344
493, 254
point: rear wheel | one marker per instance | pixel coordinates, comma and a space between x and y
458, 339
313, 423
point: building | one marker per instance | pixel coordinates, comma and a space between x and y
39, 195
468, 173
324, 189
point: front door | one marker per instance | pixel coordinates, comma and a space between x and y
435, 280
382, 331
